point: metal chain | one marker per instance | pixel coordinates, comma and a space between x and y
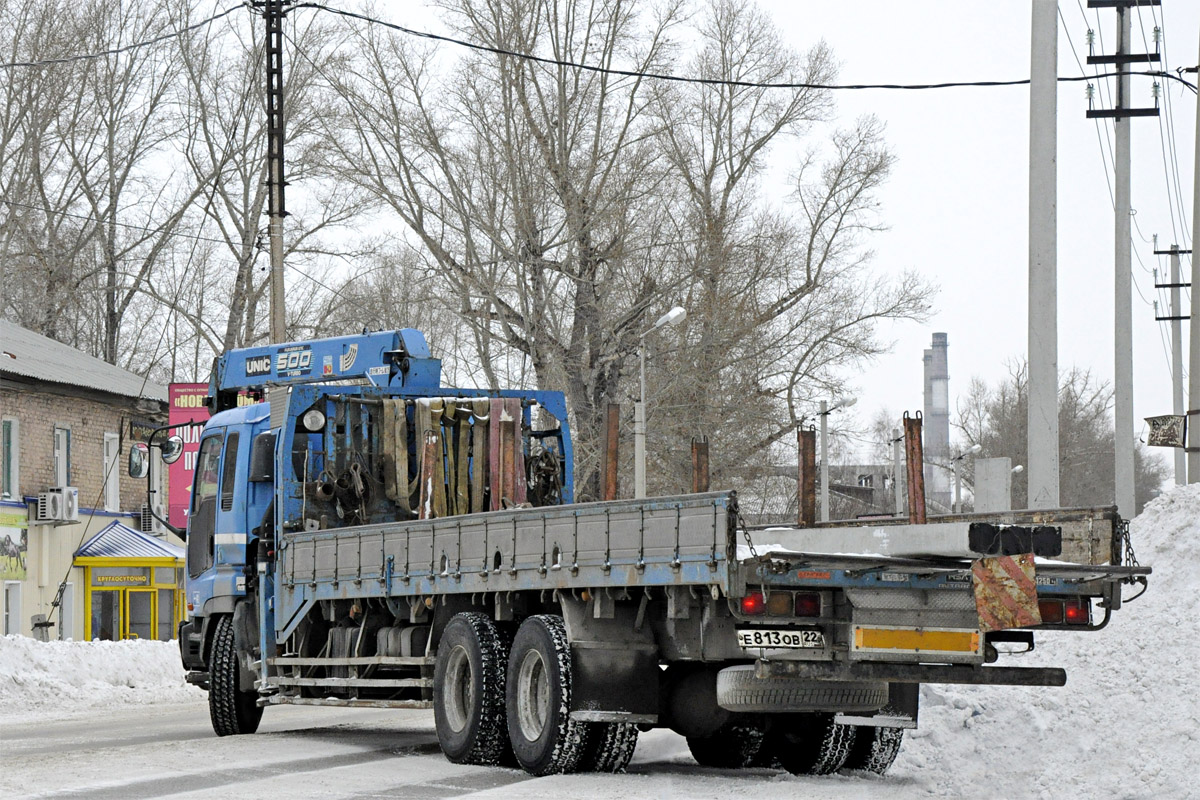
746, 535
1127, 545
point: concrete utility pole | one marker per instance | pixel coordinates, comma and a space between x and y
1177, 363
1123, 282
1123, 288
1176, 318
273, 13
1043, 257
1193, 460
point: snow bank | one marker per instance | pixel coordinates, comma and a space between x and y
1126, 723
55, 679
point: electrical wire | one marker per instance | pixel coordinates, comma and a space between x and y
555, 62
125, 48
130, 226
1099, 139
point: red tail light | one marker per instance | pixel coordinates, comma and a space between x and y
754, 604
1078, 612
808, 604
1051, 611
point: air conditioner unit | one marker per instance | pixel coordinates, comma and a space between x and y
145, 520
60, 506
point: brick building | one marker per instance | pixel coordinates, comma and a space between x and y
68, 421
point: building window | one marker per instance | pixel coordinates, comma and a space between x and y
10, 439
112, 472
866, 481
62, 456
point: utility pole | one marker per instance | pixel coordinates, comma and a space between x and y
1042, 431
273, 14
1175, 317
1123, 280
1193, 453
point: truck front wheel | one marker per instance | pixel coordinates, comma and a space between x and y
232, 710
545, 739
468, 691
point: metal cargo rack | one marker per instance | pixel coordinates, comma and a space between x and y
665, 541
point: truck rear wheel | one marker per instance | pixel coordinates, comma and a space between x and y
468, 691
734, 746
874, 749
545, 739
740, 689
609, 747
232, 711
810, 744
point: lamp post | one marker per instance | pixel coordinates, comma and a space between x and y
672, 317
957, 461
824, 413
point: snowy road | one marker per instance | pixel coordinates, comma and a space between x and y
129, 754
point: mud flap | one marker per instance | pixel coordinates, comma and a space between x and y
245, 640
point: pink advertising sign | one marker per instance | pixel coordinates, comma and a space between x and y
186, 405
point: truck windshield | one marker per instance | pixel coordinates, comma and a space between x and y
203, 519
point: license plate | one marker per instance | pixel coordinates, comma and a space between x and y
761, 637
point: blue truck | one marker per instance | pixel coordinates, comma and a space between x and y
367, 537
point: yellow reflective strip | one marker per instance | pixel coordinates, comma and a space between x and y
923, 640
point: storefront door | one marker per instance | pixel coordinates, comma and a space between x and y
140, 613
108, 619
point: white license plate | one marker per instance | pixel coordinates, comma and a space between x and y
765, 637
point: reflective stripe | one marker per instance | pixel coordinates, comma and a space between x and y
230, 538
917, 640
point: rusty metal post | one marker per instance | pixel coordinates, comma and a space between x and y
700, 465
807, 479
915, 461
611, 450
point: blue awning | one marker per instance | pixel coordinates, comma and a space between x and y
118, 540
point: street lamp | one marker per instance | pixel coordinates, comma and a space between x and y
672, 317
824, 413
957, 461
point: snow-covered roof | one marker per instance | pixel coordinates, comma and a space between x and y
118, 540
31, 355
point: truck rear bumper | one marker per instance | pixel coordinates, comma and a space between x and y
915, 673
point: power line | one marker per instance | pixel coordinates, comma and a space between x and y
1099, 139
125, 48
707, 81
88, 218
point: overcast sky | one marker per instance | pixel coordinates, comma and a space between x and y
957, 203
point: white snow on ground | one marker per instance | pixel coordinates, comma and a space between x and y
62, 679
1126, 725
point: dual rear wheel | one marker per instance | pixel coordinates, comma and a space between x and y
498, 703
801, 743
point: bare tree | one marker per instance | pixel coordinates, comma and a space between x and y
531, 186
996, 419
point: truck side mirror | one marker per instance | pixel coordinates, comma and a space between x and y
139, 460
262, 457
172, 449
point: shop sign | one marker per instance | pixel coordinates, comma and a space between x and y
119, 580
